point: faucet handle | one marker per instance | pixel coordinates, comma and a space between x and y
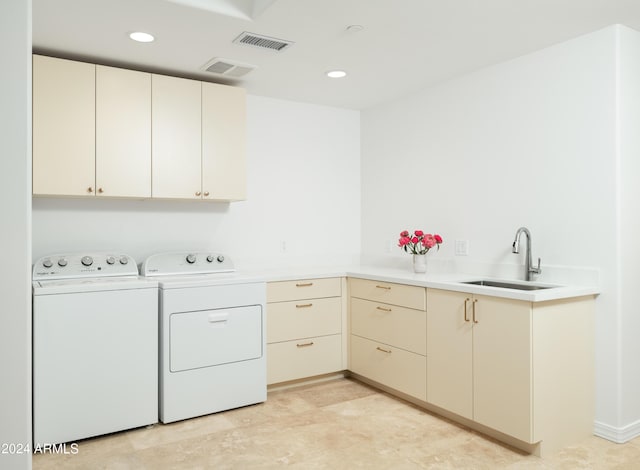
536, 270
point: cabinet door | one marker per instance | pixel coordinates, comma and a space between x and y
63, 127
123, 132
449, 351
502, 366
176, 138
223, 142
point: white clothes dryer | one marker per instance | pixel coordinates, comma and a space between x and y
212, 335
95, 347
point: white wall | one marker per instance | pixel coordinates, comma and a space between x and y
629, 194
527, 142
15, 234
303, 190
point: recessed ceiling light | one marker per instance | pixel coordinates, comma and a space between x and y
141, 37
336, 73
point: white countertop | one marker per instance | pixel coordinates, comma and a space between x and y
451, 281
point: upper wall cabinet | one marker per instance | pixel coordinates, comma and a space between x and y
177, 137
223, 142
123, 132
63, 127
111, 132
198, 140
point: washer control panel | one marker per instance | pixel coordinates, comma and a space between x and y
71, 266
189, 262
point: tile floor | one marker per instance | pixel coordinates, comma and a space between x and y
339, 424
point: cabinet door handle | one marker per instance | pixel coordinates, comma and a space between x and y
473, 310
206, 193
198, 193
384, 287
100, 190
304, 345
303, 305
304, 284
466, 301
90, 189
383, 309
384, 350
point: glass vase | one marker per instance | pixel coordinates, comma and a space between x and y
420, 263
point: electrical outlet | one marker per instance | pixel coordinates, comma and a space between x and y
461, 247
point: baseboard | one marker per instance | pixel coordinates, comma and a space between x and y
615, 434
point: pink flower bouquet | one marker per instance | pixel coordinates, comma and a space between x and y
419, 243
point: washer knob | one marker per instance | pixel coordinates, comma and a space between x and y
110, 260
62, 262
124, 260
87, 260
191, 258
210, 258
220, 258
47, 263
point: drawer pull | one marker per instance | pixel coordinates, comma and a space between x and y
383, 309
466, 317
304, 305
304, 284
304, 345
384, 350
384, 287
473, 310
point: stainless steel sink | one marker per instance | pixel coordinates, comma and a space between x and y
507, 285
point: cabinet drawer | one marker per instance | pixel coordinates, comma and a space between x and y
293, 360
389, 293
303, 319
283, 291
402, 327
401, 370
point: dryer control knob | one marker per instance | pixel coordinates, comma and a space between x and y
62, 262
124, 260
220, 258
191, 258
210, 258
87, 260
110, 260
47, 263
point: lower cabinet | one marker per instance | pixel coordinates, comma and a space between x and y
304, 329
520, 371
522, 368
388, 340
479, 359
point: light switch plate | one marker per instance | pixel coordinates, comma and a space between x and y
462, 247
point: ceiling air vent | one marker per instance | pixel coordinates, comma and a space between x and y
227, 68
263, 42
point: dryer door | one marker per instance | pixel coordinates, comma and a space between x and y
213, 337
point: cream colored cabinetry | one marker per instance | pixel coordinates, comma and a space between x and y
521, 368
388, 335
198, 140
176, 138
105, 131
479, 359
123, 132
304, 328
223, 142
63, 127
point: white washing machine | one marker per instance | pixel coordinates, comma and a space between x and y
212, 335
95, 347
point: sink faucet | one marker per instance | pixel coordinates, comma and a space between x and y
528, 269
